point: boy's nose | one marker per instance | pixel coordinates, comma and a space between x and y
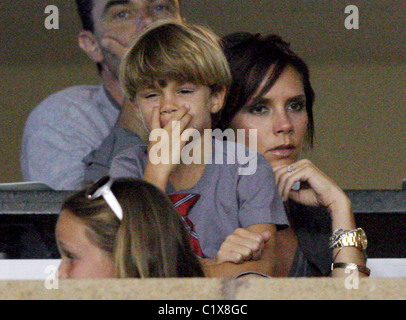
168, 109
168, 105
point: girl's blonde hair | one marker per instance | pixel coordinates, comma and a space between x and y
172, 50
150, 241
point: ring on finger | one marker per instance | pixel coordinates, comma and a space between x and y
291, 169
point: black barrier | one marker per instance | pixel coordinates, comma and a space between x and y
27, 223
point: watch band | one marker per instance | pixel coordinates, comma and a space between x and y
349, 238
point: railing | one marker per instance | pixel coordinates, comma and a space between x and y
27, 223
27, 220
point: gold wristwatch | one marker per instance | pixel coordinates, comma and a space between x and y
349, 238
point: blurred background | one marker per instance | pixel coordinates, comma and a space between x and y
359, 75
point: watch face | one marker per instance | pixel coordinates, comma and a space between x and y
363, 239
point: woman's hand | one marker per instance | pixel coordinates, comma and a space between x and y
318, 190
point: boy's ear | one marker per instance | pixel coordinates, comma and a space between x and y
130, 103
89, 44
134, 104
217, 99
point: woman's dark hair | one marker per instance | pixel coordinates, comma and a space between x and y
150, 241
250, 58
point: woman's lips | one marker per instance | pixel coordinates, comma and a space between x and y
283, 151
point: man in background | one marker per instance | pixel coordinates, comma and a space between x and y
69, 124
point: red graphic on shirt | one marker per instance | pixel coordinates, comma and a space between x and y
183, 203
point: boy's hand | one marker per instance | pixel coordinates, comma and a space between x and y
162, 161
245, 250
242, 245
173, 130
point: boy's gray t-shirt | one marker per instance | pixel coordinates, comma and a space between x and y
227, 200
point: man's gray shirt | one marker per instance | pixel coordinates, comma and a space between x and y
61, 131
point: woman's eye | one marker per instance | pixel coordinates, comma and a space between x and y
296, 106
258, 109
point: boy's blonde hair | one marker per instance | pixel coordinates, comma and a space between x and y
172, 50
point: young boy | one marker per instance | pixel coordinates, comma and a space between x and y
177, 77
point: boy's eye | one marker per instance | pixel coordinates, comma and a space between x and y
185, 91
150, 95
258, 109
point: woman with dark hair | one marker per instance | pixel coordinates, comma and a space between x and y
123, 229
271, 92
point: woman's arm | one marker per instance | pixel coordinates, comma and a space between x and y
244, 244
321, 190
343, 218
